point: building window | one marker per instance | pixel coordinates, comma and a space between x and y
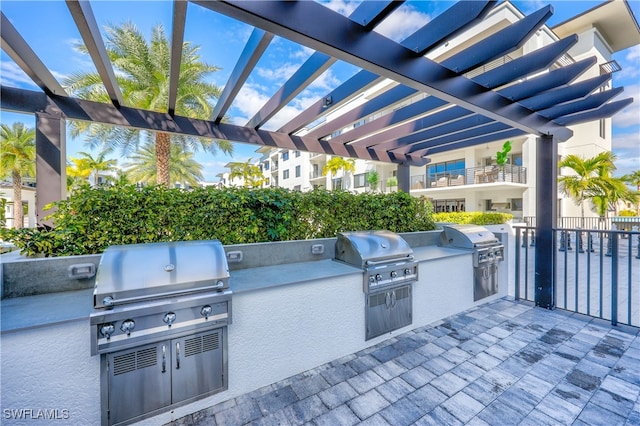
442, 206
297, 188
448, 169
297, 153
297, 171
360, 180
266, 165
516, 204
337, 183
285, 156
603, 129
285, 174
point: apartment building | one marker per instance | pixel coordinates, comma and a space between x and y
469, 179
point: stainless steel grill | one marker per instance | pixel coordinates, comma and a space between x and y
389, 270
487, 252
159, 325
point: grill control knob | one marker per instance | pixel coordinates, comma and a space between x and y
128, 326
378, 277
371, 278
169, 318
394, 274
407, 271
206, 311
107, 330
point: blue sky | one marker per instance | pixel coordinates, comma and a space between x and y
222, 39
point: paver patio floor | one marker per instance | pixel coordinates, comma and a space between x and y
502, 363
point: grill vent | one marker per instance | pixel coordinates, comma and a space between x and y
200, 344
377, 299
136, 360
193, 346
210, 342
402, 293
124, 363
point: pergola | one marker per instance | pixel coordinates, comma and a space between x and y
512, 99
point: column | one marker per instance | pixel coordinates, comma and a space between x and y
404, 177
546, 218
51, 153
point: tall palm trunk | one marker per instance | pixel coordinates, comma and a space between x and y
163, 151
18, 213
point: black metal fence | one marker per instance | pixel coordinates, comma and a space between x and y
596, 272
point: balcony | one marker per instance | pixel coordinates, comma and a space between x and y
472, 176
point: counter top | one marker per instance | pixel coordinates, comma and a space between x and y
47, 309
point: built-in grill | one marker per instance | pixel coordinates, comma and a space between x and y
487, 252
159, 325
389, 272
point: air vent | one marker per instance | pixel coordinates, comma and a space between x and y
210, 342
132, 361
124, 363
200, 344
193, 346
402, 293
377, 299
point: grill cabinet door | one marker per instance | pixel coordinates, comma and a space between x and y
197, 364
387, 311
137, 383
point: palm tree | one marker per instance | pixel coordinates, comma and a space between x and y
142, 71
17, 159
251, 174
98, 164
77, 172
182, 167
335, 164
590, 179
633, 179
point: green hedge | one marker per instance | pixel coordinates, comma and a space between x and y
475, 218
93, 219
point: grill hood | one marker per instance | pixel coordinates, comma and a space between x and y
130, 273
358, 248
466, 236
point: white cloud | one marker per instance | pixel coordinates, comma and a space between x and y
343, 7
403, 22
12, 75
627, 149
630, 116
278, 74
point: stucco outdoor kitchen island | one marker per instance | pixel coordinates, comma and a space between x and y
290, 315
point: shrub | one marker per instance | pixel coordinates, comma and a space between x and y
627, 213
92, 219
475, 218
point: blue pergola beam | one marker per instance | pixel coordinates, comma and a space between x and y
480, 140
17, 48
85, 20
419, 140
605, 111
590, 102
539, 59
177, 39
564, 94
530, 63
315, 65
252, 52
408, 112
389, 97
321, 29
448, 24
369, 12
547, 81
498, 44
360, 82
422, 148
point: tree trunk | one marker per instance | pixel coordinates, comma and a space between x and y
163, 151
95, 179
18, 213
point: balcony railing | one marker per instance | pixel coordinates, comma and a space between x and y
596, 272
472, 176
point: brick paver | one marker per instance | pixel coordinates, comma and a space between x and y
502, 363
